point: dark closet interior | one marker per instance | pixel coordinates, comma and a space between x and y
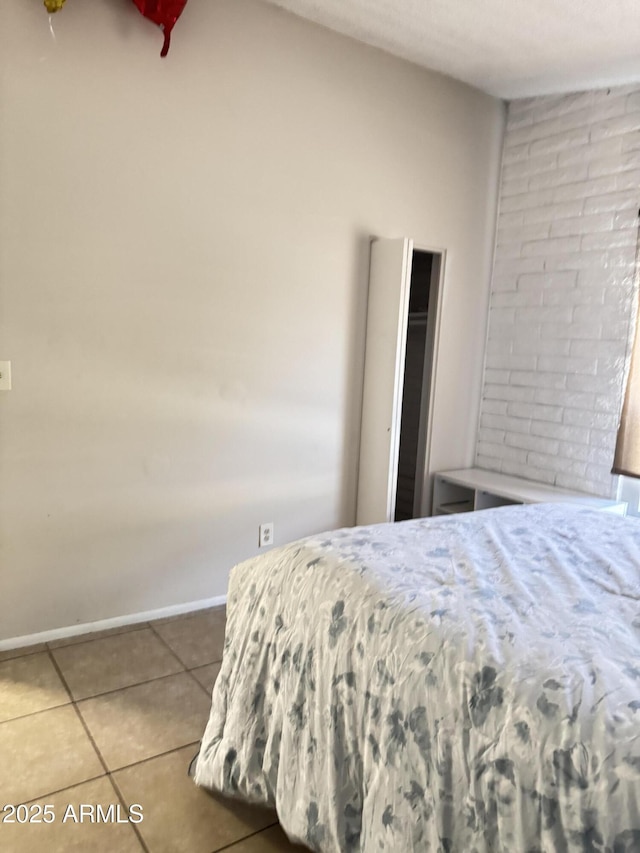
415, 390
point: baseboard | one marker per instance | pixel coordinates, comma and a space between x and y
115, 622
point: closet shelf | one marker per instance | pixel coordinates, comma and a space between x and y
471, 489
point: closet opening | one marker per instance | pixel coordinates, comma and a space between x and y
416, 386
400, 366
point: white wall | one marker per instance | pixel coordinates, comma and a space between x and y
562, 300
183, 273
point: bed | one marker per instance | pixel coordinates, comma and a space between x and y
457, 684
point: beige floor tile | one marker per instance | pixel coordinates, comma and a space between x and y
96, 635
207, 675
179, 817
29, 684
196, 639
114, 662
146, 720
272, 840
65, 834
25, 650
44, 753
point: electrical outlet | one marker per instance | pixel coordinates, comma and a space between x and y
265, 534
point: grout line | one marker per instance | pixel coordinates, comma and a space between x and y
167, 646
202, 665
78, 714
195, 743
21, 653
130, 686
109, 773
80, 639
73, 701
199, 683
63, 680
122, 799
91, 738
35, 713
66, 788
244, 838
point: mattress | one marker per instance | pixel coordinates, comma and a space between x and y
464, 683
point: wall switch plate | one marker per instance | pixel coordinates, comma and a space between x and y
265, 534
5, 376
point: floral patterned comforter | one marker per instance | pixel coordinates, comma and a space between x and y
460, 684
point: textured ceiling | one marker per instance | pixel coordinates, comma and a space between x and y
509, 48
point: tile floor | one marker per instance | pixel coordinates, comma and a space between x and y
114, 718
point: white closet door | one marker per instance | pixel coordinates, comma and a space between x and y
387, 313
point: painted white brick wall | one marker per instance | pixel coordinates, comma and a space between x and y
562, 305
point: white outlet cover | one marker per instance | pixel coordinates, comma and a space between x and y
265, 535
5, 376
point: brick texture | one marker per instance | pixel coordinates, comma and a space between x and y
563, 297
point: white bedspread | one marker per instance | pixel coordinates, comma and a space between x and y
464, 683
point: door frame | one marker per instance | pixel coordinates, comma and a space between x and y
423, 497
381, 416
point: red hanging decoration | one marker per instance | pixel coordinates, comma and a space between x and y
164, 13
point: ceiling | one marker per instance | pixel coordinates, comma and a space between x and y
508, 48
